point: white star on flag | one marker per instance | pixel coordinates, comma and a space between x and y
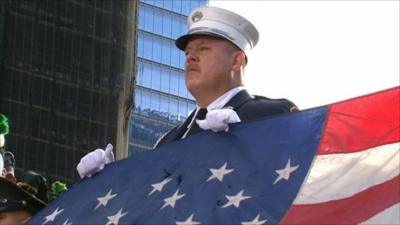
188, 221
219, 173
171, 200
285, 172
52, 216
256, 221
115, 218
104, 200
67, 222
235, 199
159, 186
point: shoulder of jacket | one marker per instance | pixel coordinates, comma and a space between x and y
281, 101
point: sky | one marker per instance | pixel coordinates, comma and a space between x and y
320, 52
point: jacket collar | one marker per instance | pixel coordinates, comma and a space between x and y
235, 102
238, 100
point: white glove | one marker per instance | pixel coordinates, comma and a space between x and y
218, 120
95, 161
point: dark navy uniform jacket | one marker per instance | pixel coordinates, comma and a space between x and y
246, 106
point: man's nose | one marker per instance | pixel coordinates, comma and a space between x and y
191, 57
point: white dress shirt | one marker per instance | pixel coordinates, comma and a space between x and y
216, 104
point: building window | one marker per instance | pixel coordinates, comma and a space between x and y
176, 26
168, 5
159, 3
182, 59
148, 46
166, 52
176, 6
158, 17
173, 109
148, 16
146, 75
155, 102
185, 7
174, 82
182, 86
145, 103
165, 76
175, 57
140, 46
156, 77
141, 17
167, 24
157, 49
138, 95
183, 110
164, 103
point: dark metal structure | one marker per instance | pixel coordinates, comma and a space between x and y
66, 80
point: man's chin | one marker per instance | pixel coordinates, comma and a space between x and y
193, 88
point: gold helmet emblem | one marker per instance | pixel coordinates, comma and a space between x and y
197, 16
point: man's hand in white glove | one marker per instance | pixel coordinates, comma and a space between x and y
95, 161
218, 120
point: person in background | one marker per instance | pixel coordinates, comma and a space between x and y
4, 129
20, 201
7, 161
217, 47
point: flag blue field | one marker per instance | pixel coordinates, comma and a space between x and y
284, 169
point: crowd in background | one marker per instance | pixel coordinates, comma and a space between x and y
24, 195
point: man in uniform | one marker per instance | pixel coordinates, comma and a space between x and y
217, 47
20, 201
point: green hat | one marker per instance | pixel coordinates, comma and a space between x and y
57, 189
4, 128
28, 194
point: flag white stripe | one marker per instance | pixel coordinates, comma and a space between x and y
337, 176
390, 215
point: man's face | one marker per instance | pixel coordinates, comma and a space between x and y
14, 217
208, 65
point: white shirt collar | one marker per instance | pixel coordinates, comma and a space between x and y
223, 99
216, 104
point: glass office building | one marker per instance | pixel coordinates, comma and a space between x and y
161, 98
66, 80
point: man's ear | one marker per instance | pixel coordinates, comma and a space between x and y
239, 60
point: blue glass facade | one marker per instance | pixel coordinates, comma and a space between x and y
161, 98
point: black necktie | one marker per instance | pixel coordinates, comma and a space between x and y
201, 115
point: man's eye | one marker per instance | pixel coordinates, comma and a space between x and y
204, 48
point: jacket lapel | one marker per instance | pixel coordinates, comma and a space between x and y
182, 128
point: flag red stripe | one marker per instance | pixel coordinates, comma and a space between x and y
362, 123
352, 210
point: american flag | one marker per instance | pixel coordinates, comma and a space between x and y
336, 164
